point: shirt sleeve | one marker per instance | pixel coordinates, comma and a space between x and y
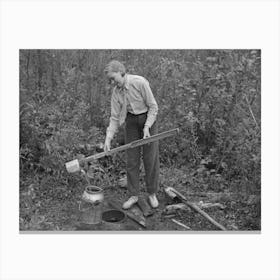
115, 114
150, 102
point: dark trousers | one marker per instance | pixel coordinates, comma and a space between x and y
134, 125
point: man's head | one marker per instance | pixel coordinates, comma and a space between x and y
115, 72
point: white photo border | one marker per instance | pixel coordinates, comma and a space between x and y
198, 24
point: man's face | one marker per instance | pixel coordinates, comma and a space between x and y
115, 78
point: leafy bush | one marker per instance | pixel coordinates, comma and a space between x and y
213, 96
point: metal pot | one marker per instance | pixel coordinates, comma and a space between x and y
93, 194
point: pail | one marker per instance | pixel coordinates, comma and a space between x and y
113, 219
91, 213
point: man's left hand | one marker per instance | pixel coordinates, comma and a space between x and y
146, 132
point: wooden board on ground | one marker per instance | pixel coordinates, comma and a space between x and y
145, 207
130, 214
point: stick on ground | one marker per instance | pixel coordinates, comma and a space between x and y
194, 207
180, 224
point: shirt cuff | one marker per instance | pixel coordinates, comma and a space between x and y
150, 120
110, 134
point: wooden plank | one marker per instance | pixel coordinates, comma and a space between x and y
128, 212
145, 207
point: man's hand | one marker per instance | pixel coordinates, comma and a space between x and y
107, 145
146, 132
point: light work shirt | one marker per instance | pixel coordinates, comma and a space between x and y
139, 99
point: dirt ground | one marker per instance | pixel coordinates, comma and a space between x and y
68, 212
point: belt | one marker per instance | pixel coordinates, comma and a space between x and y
134, 115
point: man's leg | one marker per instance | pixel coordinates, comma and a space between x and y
151, 160
132, 155
151, 163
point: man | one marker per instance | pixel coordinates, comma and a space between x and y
133, 103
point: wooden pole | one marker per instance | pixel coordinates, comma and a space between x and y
204, 214
133, 144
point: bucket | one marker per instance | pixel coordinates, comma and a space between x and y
113, 219
91, 213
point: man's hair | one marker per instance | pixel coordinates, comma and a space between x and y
115, 66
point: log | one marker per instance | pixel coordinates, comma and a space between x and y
194, 207
201, 205
207, 205
173, 208
216, 196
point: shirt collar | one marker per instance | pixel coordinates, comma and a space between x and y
125, 84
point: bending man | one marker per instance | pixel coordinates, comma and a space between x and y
133, 103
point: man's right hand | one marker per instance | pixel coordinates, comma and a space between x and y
107, 145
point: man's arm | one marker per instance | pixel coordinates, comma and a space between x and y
150, 102
114, 119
